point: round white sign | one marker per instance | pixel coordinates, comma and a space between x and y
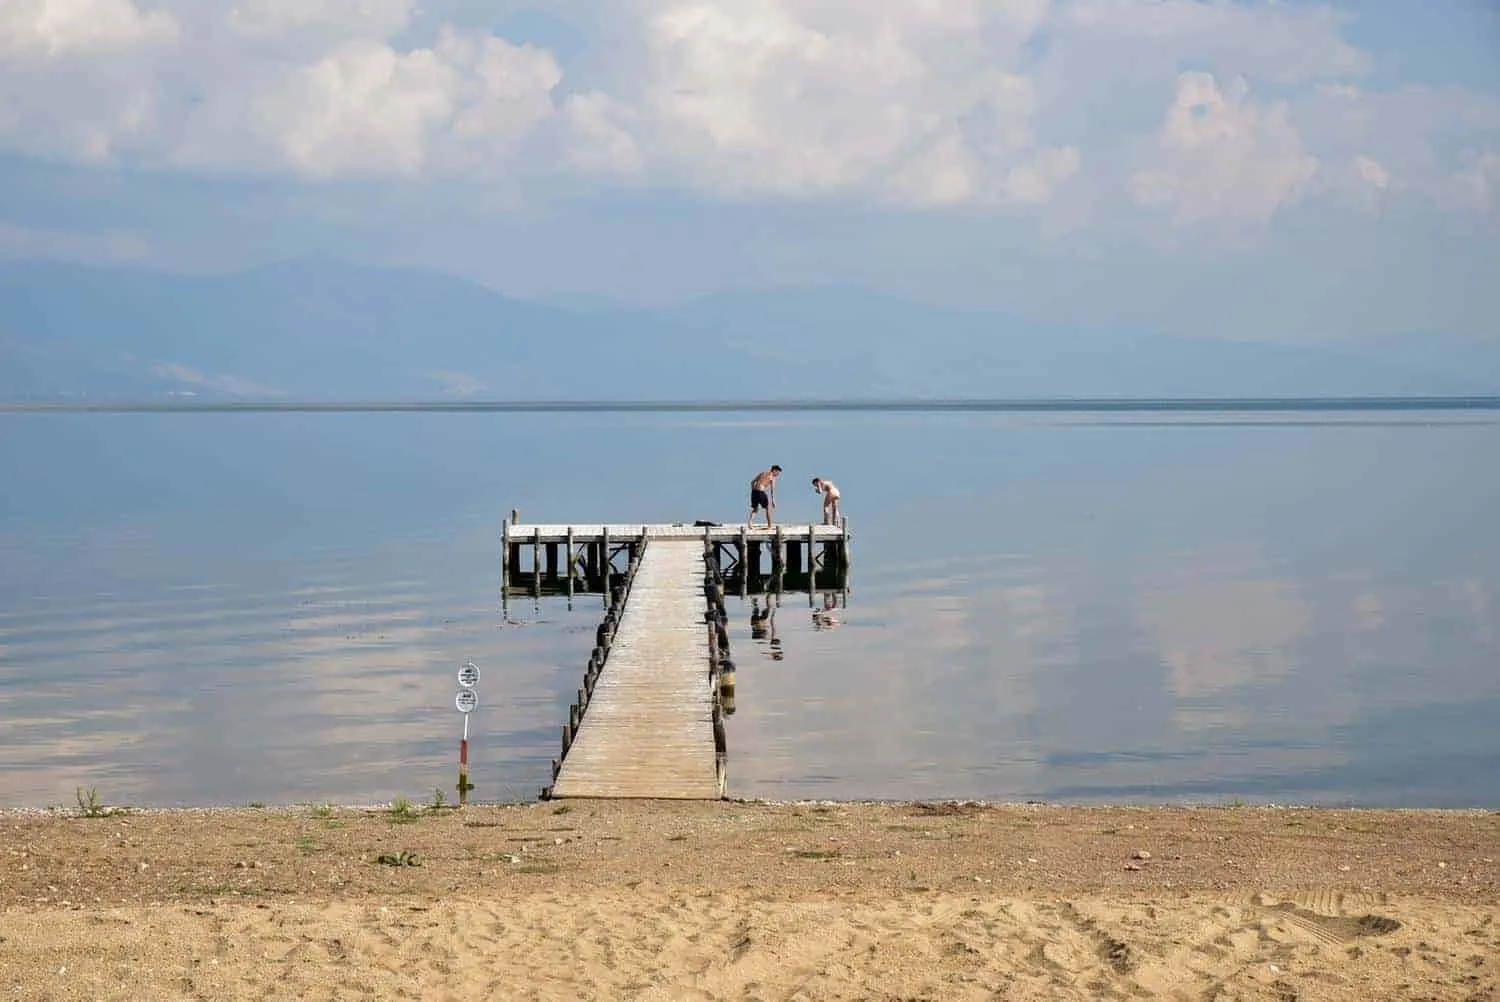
465, 700
468, 675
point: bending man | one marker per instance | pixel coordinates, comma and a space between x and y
763, 494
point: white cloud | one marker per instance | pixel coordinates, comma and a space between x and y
1423, 142
822, 98
1275, 42
363, 107
504, 92
1474, 188
54, 29
369, 18
927, 104
1371, 172
1224, 157
604, 136
459, 107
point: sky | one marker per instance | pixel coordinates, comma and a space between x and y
1251, 169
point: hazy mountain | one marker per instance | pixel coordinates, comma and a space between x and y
317, 330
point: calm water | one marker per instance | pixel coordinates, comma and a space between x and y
224, 608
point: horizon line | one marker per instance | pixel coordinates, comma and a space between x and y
909, 404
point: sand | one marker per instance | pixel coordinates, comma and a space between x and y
728, 900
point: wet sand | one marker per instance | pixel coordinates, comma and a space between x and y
730, 900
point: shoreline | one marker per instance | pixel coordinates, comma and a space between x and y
62, 811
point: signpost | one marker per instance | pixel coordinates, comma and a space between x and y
465, 700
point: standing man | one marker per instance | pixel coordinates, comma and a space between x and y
830, 500
763, 494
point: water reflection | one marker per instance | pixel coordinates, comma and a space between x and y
1177, 612
1221, 621
763, 626
827, 618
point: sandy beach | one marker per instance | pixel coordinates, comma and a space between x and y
731, 900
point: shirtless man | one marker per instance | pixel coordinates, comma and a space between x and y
830, 500
763, 494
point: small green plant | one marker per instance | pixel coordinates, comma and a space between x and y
90, 805
256, 805
309, 844
437, 798
323, 812
401, 811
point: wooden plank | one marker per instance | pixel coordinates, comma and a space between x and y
648, 731
544, 532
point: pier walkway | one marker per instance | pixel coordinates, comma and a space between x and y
649, 726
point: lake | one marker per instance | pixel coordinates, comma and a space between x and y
224, 608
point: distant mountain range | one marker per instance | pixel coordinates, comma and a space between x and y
322, 331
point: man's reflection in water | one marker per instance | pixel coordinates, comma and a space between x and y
827, 618
763, 625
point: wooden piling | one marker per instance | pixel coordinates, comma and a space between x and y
812, 574
606, 564
744, 561
536, 560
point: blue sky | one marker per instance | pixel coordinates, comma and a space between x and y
1270, 170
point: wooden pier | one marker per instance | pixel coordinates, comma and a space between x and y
562, 559
648, 725
649, 719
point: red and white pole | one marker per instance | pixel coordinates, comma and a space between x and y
463, 765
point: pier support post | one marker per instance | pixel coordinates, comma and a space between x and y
536, 561
606, 564
744, 562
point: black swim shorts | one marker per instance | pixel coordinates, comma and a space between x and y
758, 499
